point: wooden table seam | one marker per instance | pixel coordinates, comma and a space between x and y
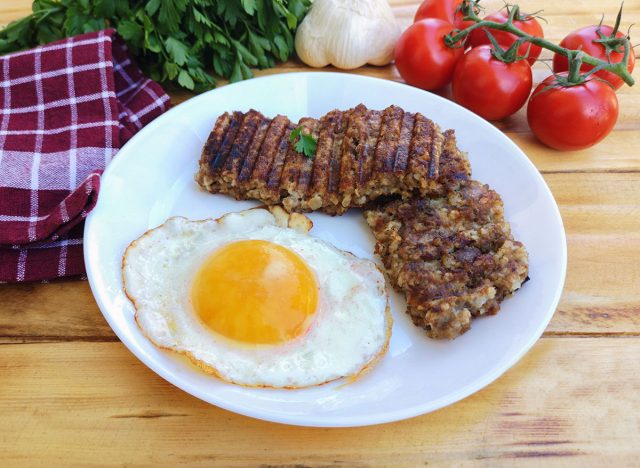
29, 340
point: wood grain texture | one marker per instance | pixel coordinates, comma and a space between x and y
59, 311
71, 393
601, 215
94, 403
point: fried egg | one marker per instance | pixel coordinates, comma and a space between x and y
255, 300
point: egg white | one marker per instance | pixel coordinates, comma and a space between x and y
349, 331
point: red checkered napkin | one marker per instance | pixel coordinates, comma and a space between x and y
66, 109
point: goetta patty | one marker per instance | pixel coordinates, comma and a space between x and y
453, 256
361, 154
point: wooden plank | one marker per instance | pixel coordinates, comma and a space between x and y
570, 400
13, 10
58, 311
615, 153
602, 220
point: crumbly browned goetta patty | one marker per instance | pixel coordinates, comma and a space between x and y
453, 256
361, 154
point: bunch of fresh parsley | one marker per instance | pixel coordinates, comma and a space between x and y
173, 40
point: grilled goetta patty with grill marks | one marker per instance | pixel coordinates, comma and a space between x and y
361, 155
453, 256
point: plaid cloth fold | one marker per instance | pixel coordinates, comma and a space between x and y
66, 109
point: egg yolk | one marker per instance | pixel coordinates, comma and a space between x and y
255, 291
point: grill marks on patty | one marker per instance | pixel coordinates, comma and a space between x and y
361, 155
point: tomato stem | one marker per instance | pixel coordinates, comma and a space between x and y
575, 62
469, 8
506, 56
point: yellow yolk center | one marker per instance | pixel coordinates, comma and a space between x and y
255, 291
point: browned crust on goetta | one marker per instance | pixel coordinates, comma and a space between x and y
453, 256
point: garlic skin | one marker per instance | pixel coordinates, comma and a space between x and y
347, 34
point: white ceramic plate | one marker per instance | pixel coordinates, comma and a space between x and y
151, 179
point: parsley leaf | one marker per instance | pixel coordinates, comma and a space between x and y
306, 144
177, 50
175, 41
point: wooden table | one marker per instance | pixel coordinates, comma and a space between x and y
71, 392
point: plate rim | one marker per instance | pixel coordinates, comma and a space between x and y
334, 421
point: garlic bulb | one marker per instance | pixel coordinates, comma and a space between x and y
347, 33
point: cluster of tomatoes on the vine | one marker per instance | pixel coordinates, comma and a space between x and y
490, 73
